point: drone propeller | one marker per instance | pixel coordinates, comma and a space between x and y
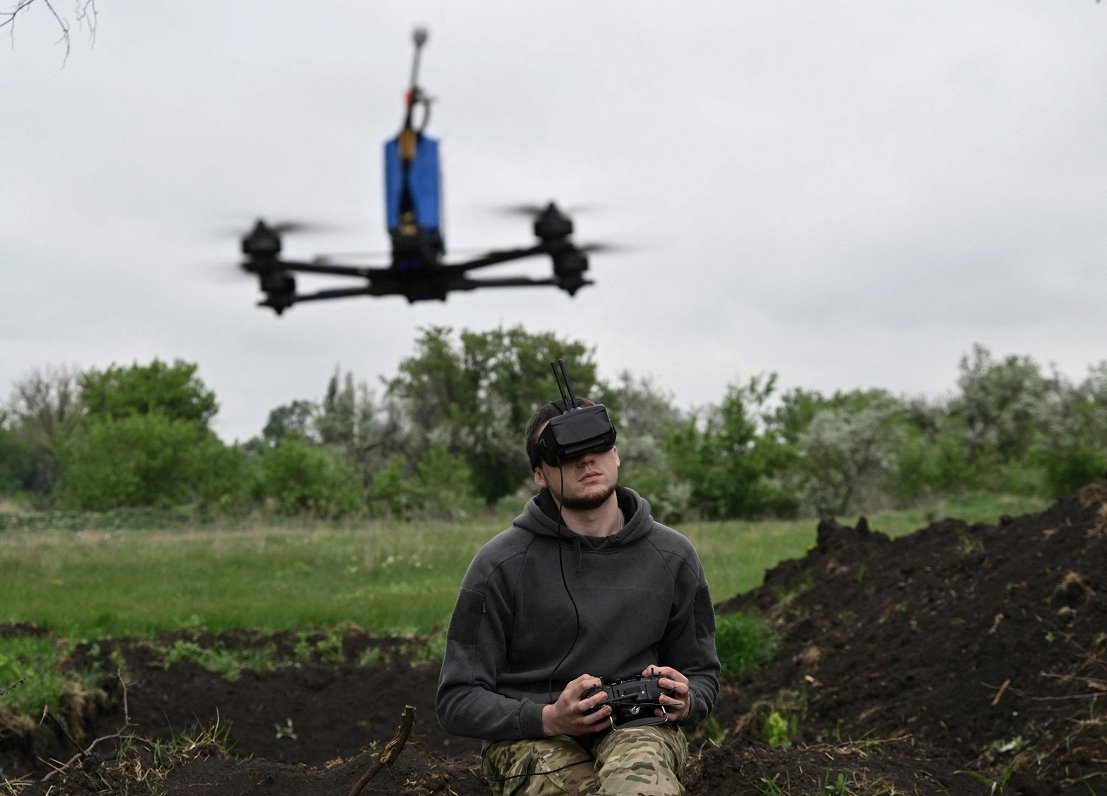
337, 258
604, 248
284, 227
528, 210
297, 227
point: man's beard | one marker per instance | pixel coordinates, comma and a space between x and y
587, 502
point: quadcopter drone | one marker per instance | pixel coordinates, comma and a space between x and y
418, 270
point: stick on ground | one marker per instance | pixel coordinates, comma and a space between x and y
390, 752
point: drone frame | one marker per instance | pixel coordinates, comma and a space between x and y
412, 274
418, 270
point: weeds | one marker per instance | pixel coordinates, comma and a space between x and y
997, 755
426, 651
325, 647
780, 730
772, 787
286, 730
837, 787
828, 784
32, 677
715, 732
744, 642
227, 663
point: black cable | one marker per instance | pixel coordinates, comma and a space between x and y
565, 583
540, 773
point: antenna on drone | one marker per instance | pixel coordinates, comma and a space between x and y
419, 36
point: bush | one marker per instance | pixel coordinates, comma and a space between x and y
440, 486
138, 460
1067, 471
300, 477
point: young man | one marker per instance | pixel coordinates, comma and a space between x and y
584, 589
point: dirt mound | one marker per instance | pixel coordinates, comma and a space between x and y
985, 645
957, 660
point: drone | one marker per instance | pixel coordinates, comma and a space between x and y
418, 269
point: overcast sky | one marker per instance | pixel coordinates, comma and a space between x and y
848, 194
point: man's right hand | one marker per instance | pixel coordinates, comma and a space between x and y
569, 714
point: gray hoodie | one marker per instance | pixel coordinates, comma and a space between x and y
541, 605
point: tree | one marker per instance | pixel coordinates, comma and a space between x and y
644, 416
144, 439
297, 418
727, 458
352, 421
1000, 404
933, 458
848, 451
475, 396
43, 413
16, 460
171, 390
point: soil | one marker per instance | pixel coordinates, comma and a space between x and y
956, 660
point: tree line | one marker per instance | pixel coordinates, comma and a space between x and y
443, 437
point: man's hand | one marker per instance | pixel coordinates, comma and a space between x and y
569, 714
671, 680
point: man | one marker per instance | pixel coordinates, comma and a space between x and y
584, 589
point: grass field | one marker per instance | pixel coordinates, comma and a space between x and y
85, 582
386, 577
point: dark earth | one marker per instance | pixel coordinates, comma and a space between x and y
961, 659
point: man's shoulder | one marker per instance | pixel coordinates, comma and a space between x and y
671, 540
502, 547
498, 559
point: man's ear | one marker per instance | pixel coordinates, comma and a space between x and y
539, 477
618, 461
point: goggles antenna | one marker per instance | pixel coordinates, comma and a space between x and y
568, 400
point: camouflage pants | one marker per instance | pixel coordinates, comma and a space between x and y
637, 761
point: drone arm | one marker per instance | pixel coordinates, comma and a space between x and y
326, 294
326, 268
457, 284
506, 281
465, 283
497, 257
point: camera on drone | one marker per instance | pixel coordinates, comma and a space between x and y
633, 701
576, 431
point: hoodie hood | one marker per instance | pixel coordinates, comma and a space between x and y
541, 517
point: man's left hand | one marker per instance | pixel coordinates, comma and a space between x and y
677, 705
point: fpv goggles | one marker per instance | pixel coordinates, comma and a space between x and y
576, 431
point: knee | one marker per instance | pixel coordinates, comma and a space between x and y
649, 759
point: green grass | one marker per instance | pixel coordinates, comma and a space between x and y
970, 508
384, 577
95, 584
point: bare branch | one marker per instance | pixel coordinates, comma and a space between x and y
8, 17
12, 687
84, 13
391, 750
